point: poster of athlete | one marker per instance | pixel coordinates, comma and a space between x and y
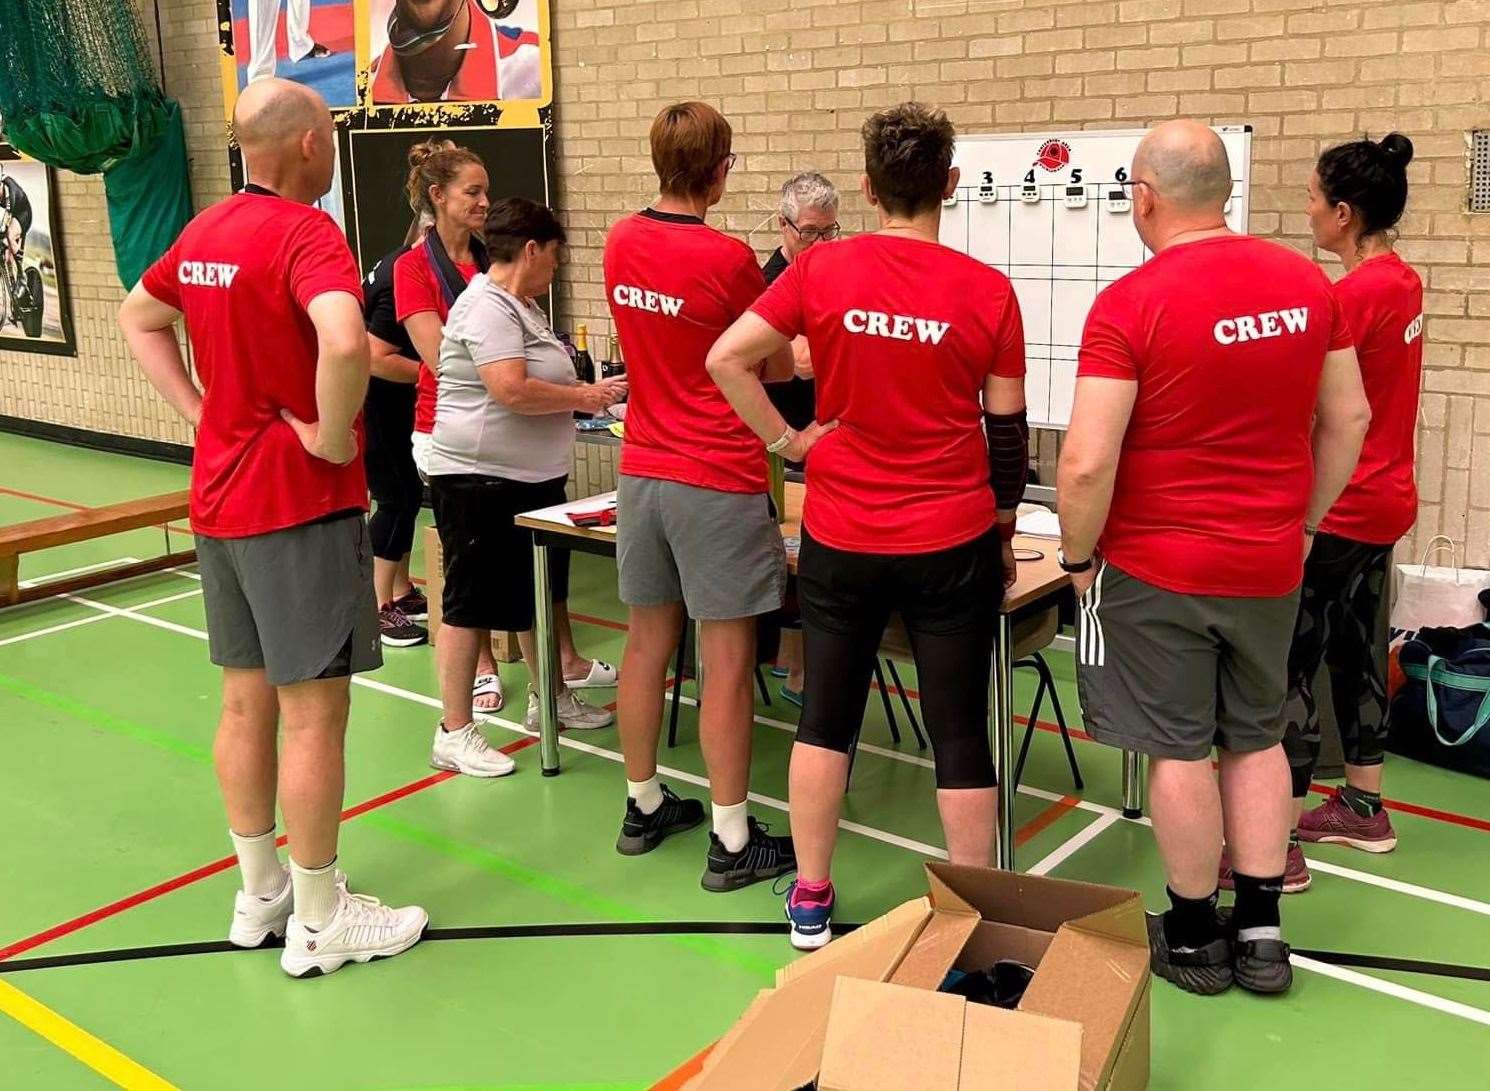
313, 42
34, 311
430, 51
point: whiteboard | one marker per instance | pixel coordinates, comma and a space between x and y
1047, 210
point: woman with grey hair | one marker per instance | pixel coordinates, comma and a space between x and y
808, 214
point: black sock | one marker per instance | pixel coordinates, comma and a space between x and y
1293, 840
1191, 922
1366, 804
1256, 902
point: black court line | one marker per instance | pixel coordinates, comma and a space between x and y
655, 928
511, 931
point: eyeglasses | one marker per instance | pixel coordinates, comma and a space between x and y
1128, 184
815, 234
729, 162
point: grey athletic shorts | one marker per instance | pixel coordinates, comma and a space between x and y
296, 603
719, 553
1173, 675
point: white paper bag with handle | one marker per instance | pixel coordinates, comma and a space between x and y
1431, 595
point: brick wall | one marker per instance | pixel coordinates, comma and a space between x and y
796, 78
101, 389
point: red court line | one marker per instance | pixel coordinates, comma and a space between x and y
206, 871
1046, 818
603, 622
679, 1076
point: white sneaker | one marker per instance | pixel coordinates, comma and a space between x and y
602, 676
361, 930
467, 751
255, 918
574, 713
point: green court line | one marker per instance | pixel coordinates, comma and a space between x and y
558, 889
97, 717
602, 907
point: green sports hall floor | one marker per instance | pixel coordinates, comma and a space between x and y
113, 838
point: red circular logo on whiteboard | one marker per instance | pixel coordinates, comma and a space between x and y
1054, 155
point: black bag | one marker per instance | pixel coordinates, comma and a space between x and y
1440, 713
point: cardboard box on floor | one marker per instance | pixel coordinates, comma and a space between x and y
863, 1014
503, 645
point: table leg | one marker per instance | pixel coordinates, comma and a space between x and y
1132, 784
1001, 726
543, 637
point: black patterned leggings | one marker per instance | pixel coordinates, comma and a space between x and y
1342, 623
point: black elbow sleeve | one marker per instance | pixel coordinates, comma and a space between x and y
1008, 456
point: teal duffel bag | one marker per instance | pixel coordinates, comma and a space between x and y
1440, 713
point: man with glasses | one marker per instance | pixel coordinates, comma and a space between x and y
1218, 414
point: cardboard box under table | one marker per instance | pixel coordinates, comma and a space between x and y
863, 1014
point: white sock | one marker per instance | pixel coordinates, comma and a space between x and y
316, 896
730, 825
1248, 935
258, 860
646, 793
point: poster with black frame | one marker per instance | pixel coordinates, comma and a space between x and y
35, 312
503, 112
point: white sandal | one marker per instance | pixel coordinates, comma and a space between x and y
602, 676
488, 685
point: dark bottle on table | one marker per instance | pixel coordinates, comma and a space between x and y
613, 367
584, 367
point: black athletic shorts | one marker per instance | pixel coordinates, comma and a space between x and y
488, 557
949, 601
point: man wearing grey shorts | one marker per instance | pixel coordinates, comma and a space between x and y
272, 299
1211, 431
694, 525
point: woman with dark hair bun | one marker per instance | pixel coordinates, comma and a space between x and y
1356, 196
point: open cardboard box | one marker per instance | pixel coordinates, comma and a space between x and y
863, 1013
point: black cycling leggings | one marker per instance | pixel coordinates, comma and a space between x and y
1342, 622
392, 479
948, 600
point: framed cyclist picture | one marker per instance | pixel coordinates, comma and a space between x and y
34, 312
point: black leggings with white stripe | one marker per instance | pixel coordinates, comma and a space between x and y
949, 601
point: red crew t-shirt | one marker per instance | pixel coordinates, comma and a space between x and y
1226, 338
243, 273
1383, 301
674, 285
416, 288
903, 334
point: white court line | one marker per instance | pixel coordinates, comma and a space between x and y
50, 576
1073, 844
93, 619
1391, 988
1397, 886
1388, 988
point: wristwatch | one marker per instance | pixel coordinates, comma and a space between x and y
1073, 566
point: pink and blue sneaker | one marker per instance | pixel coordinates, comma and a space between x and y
809, 908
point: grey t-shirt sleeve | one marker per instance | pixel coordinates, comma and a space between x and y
494, 330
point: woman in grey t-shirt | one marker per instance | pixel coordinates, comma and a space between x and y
503, 439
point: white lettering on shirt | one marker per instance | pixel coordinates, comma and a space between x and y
897, 327
1250, 327
206, 274
627, 295
1414, 330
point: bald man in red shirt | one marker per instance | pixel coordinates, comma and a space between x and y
273, 303
1219, 412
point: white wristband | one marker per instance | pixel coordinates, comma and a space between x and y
782, 443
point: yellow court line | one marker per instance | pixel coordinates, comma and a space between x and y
72, 1039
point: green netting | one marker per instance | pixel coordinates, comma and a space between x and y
79, 89
79, 92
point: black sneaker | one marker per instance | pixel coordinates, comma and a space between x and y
641, 833
397, 631
413, 605
1205, 971
763, 857
1259, 965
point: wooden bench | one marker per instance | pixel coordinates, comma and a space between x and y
83, 526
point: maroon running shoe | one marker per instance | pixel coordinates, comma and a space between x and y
1296, 878
1334, 823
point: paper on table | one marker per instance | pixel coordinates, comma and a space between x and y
560, 513
1041, 521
